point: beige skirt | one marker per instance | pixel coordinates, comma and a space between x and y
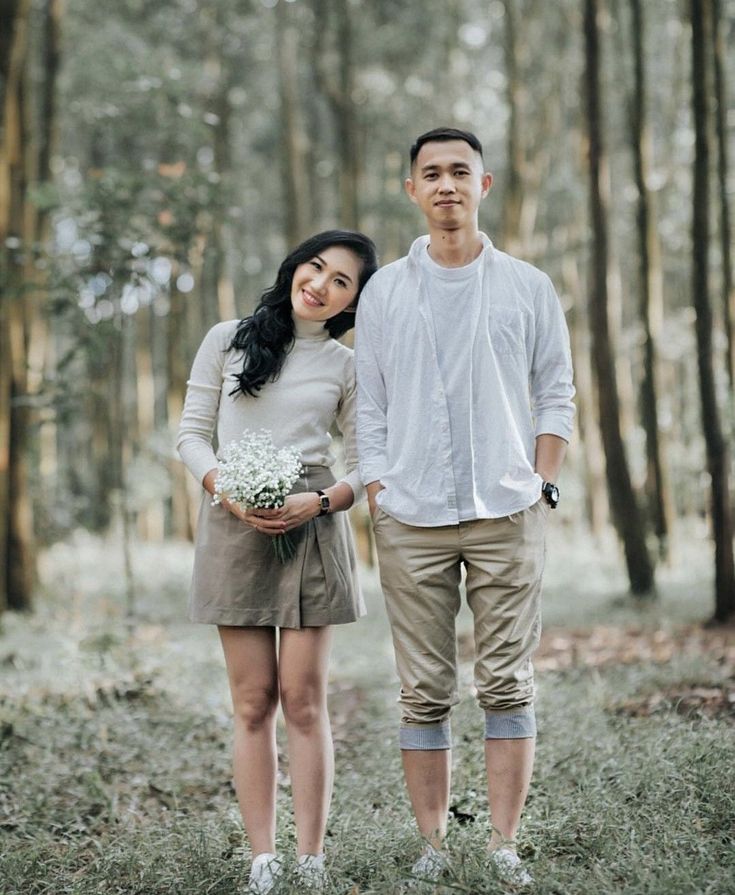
238, 581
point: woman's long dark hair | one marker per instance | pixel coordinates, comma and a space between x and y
267, 335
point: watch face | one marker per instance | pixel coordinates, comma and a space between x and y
324, 501
554, 493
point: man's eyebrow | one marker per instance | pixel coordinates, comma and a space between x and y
339, 272
433, 167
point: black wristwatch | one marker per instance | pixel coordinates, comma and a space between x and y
324, 504
551, 494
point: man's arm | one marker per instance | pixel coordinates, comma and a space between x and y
372, 402
550, 453
552, 388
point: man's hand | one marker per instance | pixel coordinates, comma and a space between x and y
372, 489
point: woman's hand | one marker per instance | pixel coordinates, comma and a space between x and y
297, 509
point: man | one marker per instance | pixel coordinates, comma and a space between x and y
464, 413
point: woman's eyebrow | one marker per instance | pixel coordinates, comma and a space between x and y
339, 272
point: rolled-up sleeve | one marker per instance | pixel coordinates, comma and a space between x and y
372, 428
552, 387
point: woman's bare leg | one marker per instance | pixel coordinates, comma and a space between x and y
250, 655
303, 673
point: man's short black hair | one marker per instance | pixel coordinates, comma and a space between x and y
443, 134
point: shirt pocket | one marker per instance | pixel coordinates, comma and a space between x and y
507, 330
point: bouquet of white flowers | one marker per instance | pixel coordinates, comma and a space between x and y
253, 472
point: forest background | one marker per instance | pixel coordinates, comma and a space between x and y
158, 160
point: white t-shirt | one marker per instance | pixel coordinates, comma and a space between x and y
452, 291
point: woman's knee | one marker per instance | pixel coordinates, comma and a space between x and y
303, 707
255, 706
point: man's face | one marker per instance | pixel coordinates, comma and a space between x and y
447, 183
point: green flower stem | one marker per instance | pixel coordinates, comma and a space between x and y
284, 547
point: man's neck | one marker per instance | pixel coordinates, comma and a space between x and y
454, 248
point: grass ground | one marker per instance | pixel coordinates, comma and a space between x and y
114, 743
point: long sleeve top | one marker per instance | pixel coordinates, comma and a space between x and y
510, 338
315, 388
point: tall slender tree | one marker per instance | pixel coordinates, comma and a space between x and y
700, 13
650, 306
337, 83
513, 191
17, 237
294, 139
723, 169
627, 516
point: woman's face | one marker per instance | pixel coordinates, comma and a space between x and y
326, 284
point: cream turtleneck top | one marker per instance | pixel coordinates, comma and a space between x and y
315, 388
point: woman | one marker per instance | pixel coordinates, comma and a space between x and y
281, 369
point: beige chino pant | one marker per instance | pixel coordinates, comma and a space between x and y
420, 573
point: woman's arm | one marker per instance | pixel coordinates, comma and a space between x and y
201, 406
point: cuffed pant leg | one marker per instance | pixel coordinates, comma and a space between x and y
505, 560
425, 737
420, 575
515, 724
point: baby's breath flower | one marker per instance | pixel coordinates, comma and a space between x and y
255, 474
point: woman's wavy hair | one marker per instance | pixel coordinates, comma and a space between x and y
267, 336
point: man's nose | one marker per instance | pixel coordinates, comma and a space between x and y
446, 183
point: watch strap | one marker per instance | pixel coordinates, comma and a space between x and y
323, 503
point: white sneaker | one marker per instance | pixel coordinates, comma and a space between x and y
429, 867
311, 872
508, 866
264, 873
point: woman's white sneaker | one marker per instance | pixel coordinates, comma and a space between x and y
509, 868
429, 867
311, 872
264, 873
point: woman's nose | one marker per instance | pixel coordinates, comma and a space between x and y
319, 281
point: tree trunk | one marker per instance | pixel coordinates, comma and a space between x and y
717, 459
651, 290
723, 169
17, 236
587, 415
513, 192
293, 133
338, 88
182, 522
627, 517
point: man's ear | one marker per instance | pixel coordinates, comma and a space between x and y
487, 182
410, 188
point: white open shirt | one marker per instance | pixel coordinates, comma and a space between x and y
518, 386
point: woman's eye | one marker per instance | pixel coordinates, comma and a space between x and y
341, 283
316, 265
